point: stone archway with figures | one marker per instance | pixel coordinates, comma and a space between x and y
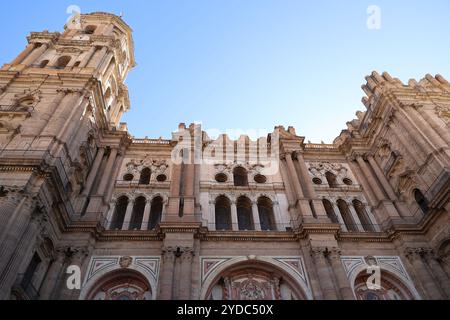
121, 285
254, 279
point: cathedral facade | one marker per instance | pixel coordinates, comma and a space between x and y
87, 211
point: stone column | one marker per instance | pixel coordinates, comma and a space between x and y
212, 215
110, 215
310, 191
339, 273
52, 107
115, 172
399, 133
14, 230
94, 171
53, 273
107, 173
128, 214
440, 129
304, 207
323, 273
23, 248
87, 57
387, 186
146, 218
428, 133
293, 214
413, 133
23, 54
363, 182
36, 53
355, 217
167, 270
293, 176
438, 272
337, 212
255, 212
370, 178
91, 178
415, 256
99, 54
279, 223
186, 274
234, 216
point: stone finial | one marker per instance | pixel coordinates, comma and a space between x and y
441, 79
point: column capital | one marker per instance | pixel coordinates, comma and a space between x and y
413, 253
335, 253
188, 254
319, 252
297, 154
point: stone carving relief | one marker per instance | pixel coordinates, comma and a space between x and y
319, 169
443, 112
157, 166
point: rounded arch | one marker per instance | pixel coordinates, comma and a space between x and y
361, 212
120, 284
145, 176
330, 210
346, 215
331, 179
240, 176
156, 209
119, 213
391, 288
244, 213
391, 277
90, 29
223, 213
245, 266
138, 213
266, 214
62, 62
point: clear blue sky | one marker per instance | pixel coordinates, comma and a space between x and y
254, 64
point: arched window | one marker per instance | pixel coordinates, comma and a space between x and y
391, 161
223, 213
362, 215
331, 178
89, 29
43, 64
254, 281
123, 284
62, 62
346, 215
390, 288
138, 213
155, 212
145, 176
77, 64
244, 213
330, 211
421, 201
240, 177
128, 177
119, 213
266, 216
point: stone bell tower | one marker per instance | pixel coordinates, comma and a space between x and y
61, 101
